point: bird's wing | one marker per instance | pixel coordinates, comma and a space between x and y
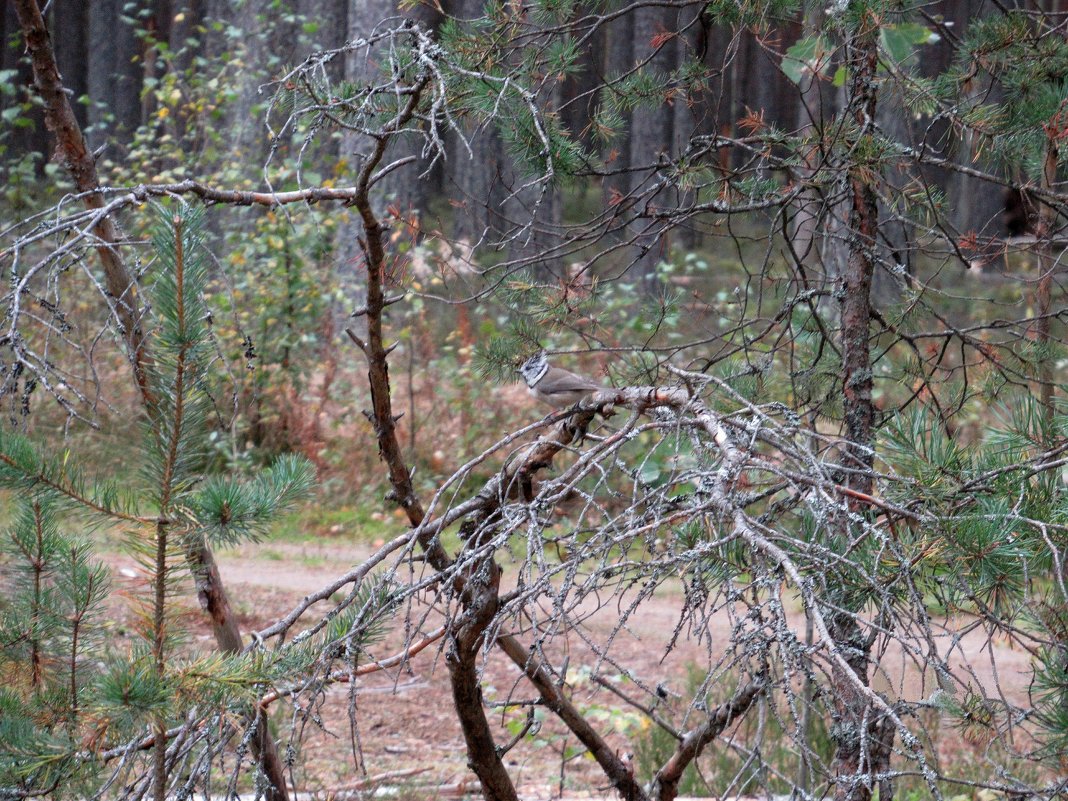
566, 381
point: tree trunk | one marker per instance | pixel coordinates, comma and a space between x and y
28, 139
1047, 265
472, 180
479, 595
480, 600
402, 188
685, 108
804, 224
863, 738
651, 134
70, 28
114, 77
614, 45
211, 593
857, 280
536, 206
60, 119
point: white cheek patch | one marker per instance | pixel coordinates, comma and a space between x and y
541, 373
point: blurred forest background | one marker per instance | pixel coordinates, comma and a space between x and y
172, 91
131, 65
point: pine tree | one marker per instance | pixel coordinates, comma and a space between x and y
59, 720
51, 620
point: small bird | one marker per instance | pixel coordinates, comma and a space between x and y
552, 385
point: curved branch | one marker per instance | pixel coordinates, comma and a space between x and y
666, 781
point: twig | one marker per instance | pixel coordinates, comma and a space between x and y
373, 781
342, 676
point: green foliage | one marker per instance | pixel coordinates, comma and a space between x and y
48, 632
815, 56
922, 450
51, 618
24, 468
810, 56
270, 304
899, 42
607, 123
561, 58
964, 521
982, 555
638, 89
541, 142
498, 359
20, 171
1051, 674
553, 11
229, 511
365, 621
181, 352
750, 13
1010, 51
131, 691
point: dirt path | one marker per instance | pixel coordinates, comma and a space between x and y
404, 725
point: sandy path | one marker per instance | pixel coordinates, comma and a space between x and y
404, 718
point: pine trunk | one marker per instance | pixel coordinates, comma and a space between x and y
114, 77
472, 180
651, 133
863, 737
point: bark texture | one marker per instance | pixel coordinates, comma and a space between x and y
862, 737
480, 602
113, 76
651, 133
860, 267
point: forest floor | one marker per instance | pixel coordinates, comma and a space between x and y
408, 736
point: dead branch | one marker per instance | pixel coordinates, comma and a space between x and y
343, 676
